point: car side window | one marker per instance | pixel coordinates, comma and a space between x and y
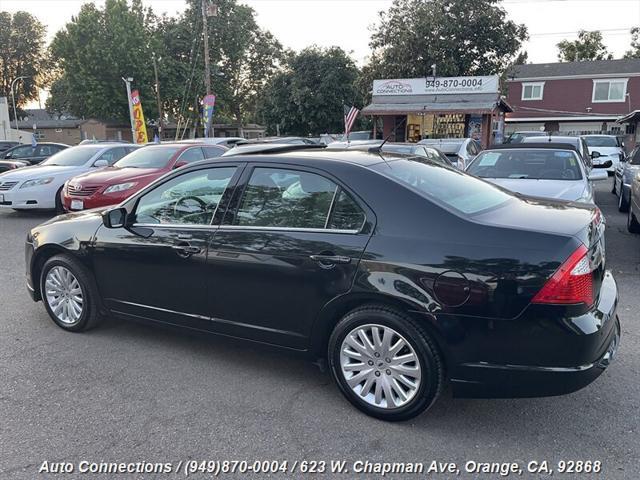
286, 199
212, 152
23, 152
189, 199
45, 150
471, 149
634, 156
112, 155
346, 213
191, 155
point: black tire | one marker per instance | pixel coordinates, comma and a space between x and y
613, 187
633, 226
623, 201
430, 361
58, 200
90, 314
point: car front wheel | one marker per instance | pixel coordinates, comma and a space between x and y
69, 294
385, 363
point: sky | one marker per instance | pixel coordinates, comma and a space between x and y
346, 23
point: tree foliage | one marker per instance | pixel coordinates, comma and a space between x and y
587, 47
94, 51
634, 52
458, 36
22, 53
309, 94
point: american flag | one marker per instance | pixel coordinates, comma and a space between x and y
350, 114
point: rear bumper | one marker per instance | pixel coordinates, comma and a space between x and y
569, 353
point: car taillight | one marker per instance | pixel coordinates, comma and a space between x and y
571, 284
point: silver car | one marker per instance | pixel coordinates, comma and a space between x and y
460, 151
608, 146
553, 171
623, 177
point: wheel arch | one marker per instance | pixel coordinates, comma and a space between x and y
40, 257
331, 314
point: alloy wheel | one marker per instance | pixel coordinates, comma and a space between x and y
64, 295
380, 366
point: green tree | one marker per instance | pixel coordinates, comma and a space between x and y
243, 58
22, 53
458, 36
587, 47
635, 44
94, 51
308, 96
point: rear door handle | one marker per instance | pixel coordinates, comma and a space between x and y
331, 259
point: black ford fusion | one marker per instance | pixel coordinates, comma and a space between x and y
403, 274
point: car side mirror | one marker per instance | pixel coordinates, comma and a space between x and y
101, 163
595, 155
8, 155
597, 175
115, 217
179, 164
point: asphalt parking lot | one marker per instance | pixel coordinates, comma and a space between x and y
131, 392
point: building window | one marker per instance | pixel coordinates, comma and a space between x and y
609, 90
532, 91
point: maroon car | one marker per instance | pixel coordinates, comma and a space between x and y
111, 185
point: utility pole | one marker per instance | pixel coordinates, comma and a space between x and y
160, 114
127, 81
208, 10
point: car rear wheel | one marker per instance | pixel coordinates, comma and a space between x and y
385, 363
623, 201
69, 293
633, 226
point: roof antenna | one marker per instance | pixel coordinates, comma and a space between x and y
378, 149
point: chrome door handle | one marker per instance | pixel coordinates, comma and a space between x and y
330, 259
186, 249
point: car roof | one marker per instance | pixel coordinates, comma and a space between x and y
533, 146
599, 135
321, 155
552, 139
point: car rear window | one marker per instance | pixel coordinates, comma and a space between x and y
444, 185
603, 141
535, 164
447, 148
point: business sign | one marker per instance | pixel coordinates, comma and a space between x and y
436, 85
139, 126
208, 105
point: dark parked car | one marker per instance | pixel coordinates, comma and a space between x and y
633, 216
7, 144
623, 176
6, 165
518, 137
578, 142
442, 277
31, 154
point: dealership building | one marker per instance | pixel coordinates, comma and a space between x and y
408, 110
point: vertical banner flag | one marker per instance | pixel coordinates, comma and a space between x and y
138, 119
350, 115
208, 104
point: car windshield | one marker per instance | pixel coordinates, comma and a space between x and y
72, 157
534, 164
448, 148
603, 141
444, 185
157, 156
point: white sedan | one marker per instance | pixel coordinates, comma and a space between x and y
551, 171
39, 186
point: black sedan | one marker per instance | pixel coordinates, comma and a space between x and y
6, 165
33, 154
404, 274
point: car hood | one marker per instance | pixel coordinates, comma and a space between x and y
115, 175
556, 189
41, 171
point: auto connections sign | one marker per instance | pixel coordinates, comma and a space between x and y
436, 85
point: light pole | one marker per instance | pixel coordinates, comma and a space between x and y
127, 81
13, 96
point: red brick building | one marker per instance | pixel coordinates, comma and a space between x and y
573, 97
